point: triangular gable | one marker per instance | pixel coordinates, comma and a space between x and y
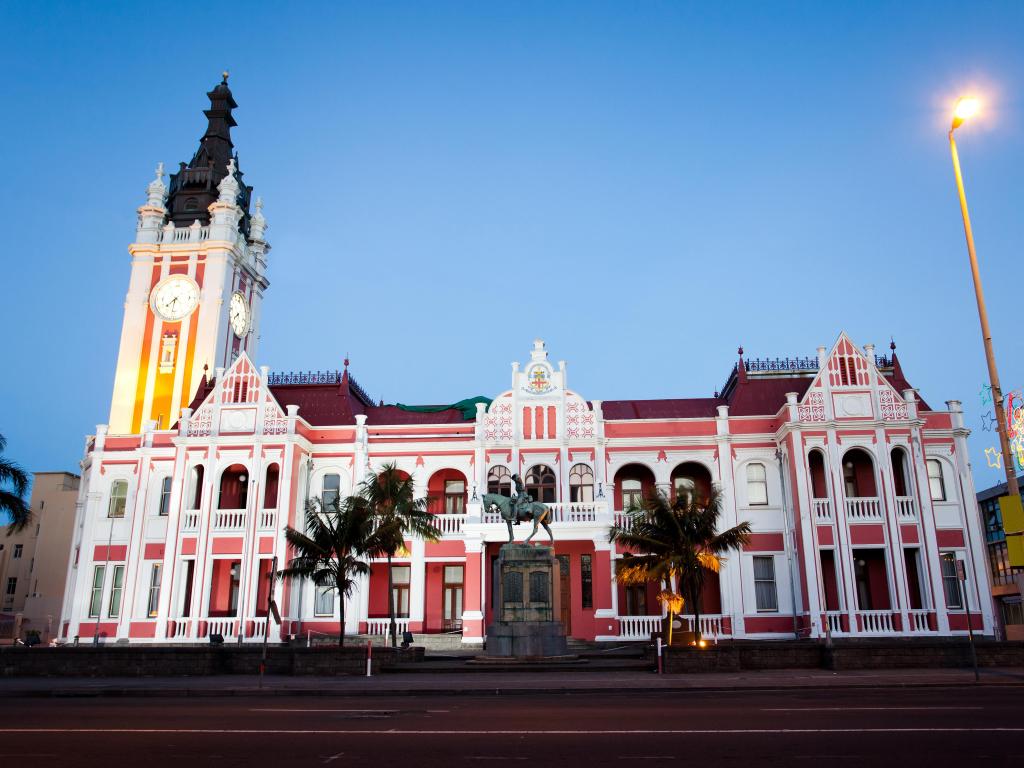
243, 401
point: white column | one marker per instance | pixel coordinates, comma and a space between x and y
417, 579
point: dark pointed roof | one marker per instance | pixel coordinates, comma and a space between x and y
194, 187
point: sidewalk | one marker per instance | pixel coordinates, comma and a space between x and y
559, 682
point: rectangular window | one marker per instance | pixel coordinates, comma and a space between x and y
400, 578
118, 498
331, 491
96, 598
765, 593
936, 483
587, 581
17, 551
324, 601
950, 582
116, 587
454, 497
636, 600
12, 586
757, 484
165, 497
152, 604
451, 600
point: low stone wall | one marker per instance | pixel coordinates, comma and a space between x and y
153, 661
735, 657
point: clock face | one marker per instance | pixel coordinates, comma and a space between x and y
175, 297
238, 314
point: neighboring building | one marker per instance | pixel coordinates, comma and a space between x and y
34, 561
855, 487
1007, 581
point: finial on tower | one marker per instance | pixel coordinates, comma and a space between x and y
892, 343
740, 351
224, 77
258, 223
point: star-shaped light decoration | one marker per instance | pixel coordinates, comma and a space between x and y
988, 421
994, 458
985, 394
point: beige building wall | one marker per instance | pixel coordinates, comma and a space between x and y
34, 562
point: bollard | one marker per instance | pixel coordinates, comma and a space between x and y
369, 658
659, 657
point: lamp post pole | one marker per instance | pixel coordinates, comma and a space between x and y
1012, 487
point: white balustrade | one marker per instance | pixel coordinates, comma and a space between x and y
190, 521
448, 525
268, 519
834, 622
712, 625
822, 510
906, 508
381, 627
180, 629
876, 622
638, 627
574, 512
229, 519
223, 627
622, 520
863, 509
917, 620
259, 628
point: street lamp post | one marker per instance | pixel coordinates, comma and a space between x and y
966, 108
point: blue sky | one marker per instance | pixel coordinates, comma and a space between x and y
644, 185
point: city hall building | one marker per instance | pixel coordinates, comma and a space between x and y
858, 491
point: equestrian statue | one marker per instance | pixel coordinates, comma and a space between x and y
519, 508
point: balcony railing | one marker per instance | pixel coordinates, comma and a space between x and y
381, 627
906, 508
190, 520
864, 509
224, 627
178, 629
876, 622
229, 519
638, 627
834, 622
822, 510
918, 620
268, 519
448, 525
563, 512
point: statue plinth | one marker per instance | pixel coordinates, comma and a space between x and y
527, 603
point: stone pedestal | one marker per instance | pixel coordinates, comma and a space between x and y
527, 604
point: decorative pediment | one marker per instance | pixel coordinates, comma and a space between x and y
240, 403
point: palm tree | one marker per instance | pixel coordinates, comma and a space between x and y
13, 487
389, 498
330, 553
676, 542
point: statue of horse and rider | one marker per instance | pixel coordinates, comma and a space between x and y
519, 508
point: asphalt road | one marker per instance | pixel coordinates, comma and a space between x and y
916, 727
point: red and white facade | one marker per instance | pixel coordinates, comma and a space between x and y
853, 485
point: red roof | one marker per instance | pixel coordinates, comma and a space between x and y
687, 408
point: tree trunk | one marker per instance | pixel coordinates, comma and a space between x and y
341, 622
392, 625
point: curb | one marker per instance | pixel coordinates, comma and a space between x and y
84, 693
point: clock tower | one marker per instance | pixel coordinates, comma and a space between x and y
198, 267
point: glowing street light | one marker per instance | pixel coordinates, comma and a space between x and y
965, 109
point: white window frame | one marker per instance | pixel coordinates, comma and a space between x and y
773, 581
163, 506
116, 592
323, 594
755, 483
118, 504
454, 501
99, 574
153, 595
940, 477
948, 559
324, 490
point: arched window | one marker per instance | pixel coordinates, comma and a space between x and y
118, 498
270, 487
331, 492
816, 464
936, 481
197, 486
632, 493
899, 471
234, 488
581, 483
499, 480
757, 484
691, 480
540, 483
859, 474
633, 482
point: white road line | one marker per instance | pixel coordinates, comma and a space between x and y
858, 709
350, 711
455, 732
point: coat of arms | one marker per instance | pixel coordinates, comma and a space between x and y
538, 380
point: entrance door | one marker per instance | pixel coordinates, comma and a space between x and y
451, 602
565, 593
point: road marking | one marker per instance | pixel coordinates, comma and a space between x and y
457, 732
350, 711
858, 709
